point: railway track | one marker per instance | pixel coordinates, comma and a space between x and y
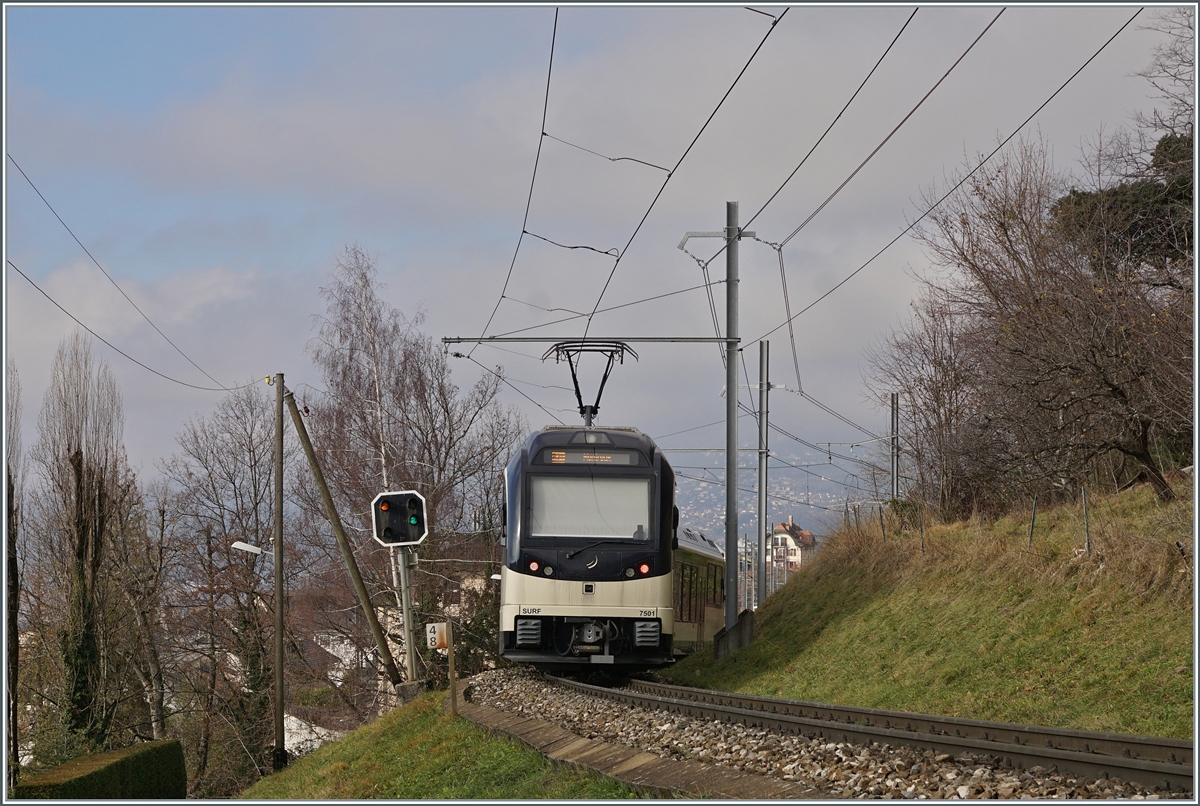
1148, 761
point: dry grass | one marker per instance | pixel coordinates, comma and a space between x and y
1133, 541
982, 625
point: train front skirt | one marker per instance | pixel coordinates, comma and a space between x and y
574, 623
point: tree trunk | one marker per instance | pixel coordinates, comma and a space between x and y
155, 688
14, 637
1141, 452
80, 640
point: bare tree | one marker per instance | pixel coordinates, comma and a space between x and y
143, 558
78, 456
14, 477
1173, 72
390, 418
222, 612
927, 361
1080, 361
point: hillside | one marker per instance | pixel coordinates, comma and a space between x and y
979, 625
420, 752
982, 625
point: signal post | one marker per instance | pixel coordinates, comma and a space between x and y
399, 520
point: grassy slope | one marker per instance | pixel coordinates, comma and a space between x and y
981, 626
420, 752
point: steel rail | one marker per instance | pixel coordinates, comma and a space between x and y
1148, 761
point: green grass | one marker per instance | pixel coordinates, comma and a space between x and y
981, 626
421, 752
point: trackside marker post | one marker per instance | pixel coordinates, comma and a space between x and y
441, 636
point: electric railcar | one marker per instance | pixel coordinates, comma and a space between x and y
699, 589
590, 552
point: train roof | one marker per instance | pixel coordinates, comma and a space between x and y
622, 436
697, 542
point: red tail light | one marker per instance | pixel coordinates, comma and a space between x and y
644, 568
533, 565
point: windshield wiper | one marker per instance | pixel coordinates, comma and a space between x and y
590, 546
638, 535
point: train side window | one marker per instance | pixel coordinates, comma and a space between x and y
689, 583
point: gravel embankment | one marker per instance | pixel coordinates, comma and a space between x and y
838, 769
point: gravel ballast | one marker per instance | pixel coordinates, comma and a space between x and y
838, 769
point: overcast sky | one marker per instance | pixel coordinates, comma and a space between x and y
216, 161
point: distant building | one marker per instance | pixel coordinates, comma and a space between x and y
791, 547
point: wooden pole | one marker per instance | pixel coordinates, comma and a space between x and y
1087, 533
1032, 520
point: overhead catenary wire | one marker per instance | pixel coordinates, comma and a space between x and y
828, 128
776, 496
774, 22
118, 349
610, 159
532, 182
959, 184
892, 133
504, 380
109, 276
610, 252
818, 475
784, 432
604, 310
698, 427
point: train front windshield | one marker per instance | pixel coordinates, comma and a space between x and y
587, 506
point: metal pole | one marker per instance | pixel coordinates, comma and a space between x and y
279, 757
410, 651
339, 533
882, 531
895, 446
764, 387
731, 412
741, 580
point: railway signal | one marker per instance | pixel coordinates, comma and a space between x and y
399, 518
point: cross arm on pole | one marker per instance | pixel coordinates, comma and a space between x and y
719, 234
589, 340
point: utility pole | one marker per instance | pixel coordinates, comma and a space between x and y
732, 235
895, 446
339, 533
279, 757
764, 387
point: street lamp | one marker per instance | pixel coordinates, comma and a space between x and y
279, 755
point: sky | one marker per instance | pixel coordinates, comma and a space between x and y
217, 161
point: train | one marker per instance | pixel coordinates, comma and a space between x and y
596, 574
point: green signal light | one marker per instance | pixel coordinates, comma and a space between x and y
412, 520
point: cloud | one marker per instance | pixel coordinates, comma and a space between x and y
413, 131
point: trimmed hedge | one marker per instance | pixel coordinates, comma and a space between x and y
151, 770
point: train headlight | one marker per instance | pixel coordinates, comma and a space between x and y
534, 566
629, 573
548, 570
644, 568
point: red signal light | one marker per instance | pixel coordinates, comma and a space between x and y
383, 505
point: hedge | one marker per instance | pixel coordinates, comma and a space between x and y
151, 770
